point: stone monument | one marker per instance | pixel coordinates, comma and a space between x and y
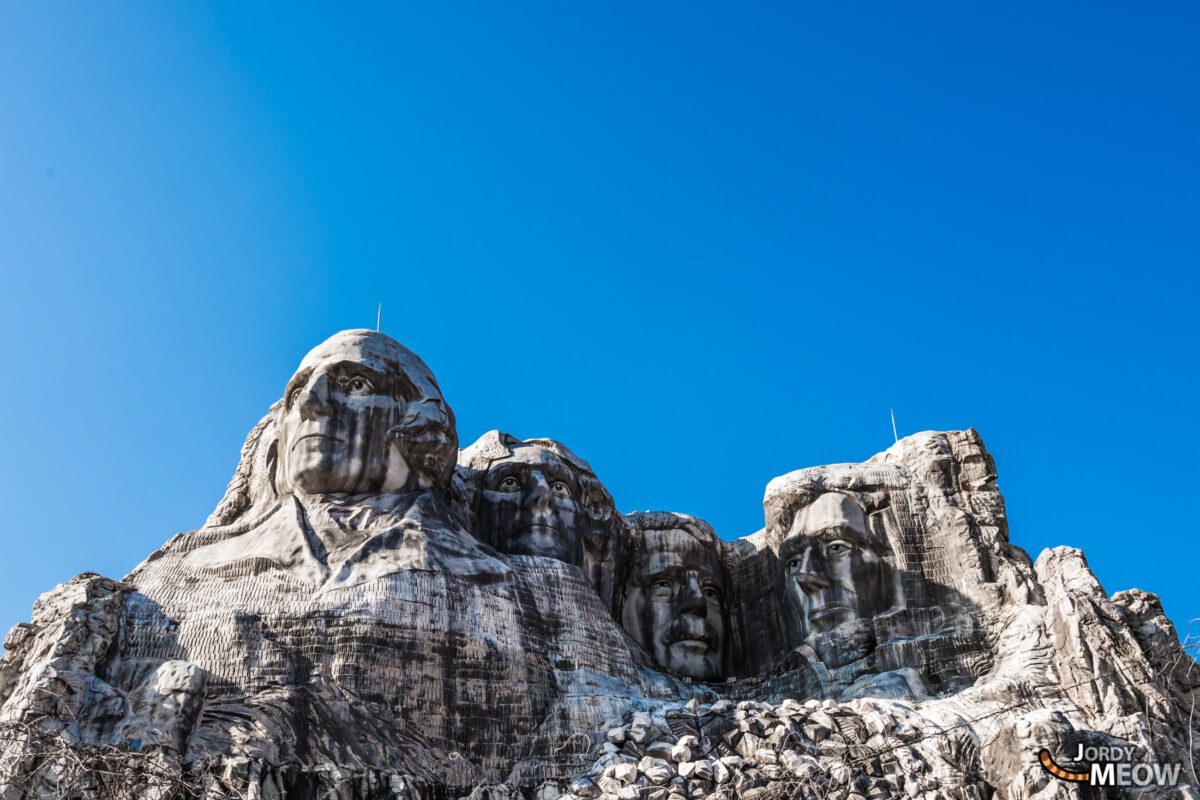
370, 613
674, 603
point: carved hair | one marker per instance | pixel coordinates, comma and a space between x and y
780, 523
699, 530
866, 485
496, 446
253, 480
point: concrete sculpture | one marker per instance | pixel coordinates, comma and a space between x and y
364, 414
836, 576
535, 498
371, 613
674, 603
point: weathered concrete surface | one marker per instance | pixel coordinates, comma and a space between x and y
361, 619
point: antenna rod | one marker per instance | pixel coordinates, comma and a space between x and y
894, 425
378, 317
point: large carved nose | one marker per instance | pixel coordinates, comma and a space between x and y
691, 596
314, 400
541, 495
810, 575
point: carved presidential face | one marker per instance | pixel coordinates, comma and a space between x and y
834, 574
338, 409
531, 505
675, 604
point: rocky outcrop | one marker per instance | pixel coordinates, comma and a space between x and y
361, 618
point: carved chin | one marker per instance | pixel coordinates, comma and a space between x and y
691, 657
312, 478
844, 643
317, 475
697, 667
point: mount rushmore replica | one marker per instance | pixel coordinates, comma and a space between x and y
371, 612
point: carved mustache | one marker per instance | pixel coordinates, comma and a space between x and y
689, 627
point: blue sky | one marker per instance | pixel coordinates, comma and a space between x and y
702, 245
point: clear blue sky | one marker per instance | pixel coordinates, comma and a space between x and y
702, 244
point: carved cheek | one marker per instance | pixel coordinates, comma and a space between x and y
846, 574
636, 617
716, 619
498, 516
865, 580
372, 423
356, 428
569, 519
660, 607
659, 646
796, 595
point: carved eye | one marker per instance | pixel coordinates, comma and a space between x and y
661, 583
358, 385
509, 484
838, 548
712, 592
794, 563
561, 489
294, 396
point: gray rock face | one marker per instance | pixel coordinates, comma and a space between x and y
363, 617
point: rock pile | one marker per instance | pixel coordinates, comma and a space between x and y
863, 750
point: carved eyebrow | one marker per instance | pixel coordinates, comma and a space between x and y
501, 471
836, 532
795, 545
344, 369
354, 369
557, 473
549, 471
298, 380
383, 383
707, 576
670, 573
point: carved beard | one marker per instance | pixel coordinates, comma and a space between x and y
845, 643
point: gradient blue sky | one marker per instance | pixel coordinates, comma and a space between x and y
702, 244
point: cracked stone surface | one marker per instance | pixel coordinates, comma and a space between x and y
371, 612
